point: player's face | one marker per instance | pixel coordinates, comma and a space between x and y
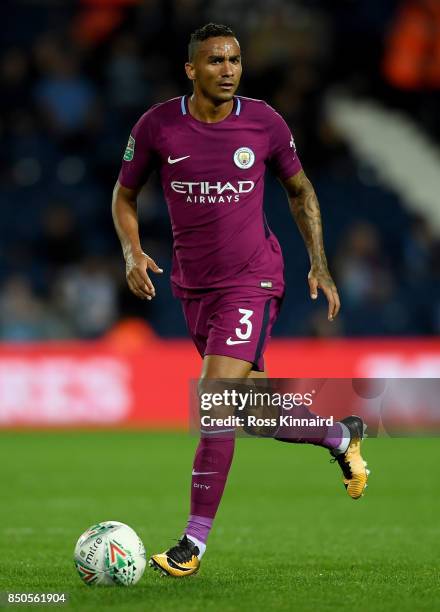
216, 68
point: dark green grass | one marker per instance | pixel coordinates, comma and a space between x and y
287, 537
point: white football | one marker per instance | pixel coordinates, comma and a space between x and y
110, 553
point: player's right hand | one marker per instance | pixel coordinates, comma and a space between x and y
137, 276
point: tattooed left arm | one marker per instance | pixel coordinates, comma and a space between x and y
304, 207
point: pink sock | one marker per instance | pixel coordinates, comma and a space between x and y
210, 471
319, 435
198, 527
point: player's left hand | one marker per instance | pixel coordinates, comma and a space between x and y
321, 278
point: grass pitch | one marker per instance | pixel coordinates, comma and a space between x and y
287, 536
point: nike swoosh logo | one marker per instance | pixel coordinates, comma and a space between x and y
231, 342
178, 159
174, 565
202, 473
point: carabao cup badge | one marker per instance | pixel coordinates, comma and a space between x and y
244, 157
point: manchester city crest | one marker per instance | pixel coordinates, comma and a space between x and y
244, 157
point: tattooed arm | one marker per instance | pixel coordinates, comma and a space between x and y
304, 207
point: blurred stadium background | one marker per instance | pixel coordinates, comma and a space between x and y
357, 80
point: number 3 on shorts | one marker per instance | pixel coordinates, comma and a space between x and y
245, 320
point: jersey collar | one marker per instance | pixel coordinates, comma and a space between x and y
236, 109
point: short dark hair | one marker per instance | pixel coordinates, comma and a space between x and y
210, 30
